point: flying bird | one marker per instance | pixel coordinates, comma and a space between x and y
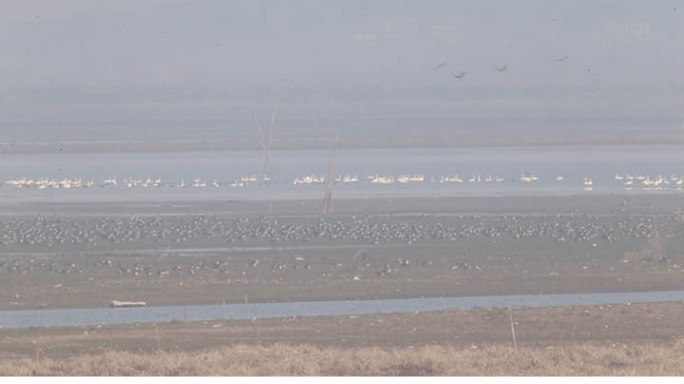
502, 68
561, 59
440, 66
458, 76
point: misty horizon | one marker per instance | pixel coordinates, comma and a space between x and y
74, 72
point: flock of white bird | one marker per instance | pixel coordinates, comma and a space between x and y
630, 182
650, 183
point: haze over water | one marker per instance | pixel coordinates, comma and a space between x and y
381, 71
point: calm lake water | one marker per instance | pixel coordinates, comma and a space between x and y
574, 165
92, 316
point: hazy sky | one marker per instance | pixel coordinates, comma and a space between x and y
73, 62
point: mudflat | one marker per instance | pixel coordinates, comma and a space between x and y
208, 252
655, 203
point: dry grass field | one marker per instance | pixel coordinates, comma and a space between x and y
305, 360
634, 339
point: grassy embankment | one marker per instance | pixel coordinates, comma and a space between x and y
626, 339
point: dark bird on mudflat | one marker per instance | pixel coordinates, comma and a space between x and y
502, 68
561, 59
458, 76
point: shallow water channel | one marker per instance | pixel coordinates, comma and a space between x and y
93, 316
563, 170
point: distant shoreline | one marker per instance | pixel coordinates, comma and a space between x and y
603, 204
456, 141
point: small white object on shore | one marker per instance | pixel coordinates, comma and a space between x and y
126, 304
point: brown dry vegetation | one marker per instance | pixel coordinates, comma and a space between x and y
301, 360
636, 339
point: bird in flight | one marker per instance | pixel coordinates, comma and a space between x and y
502, 68
459, 75
561, 59
440, 66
